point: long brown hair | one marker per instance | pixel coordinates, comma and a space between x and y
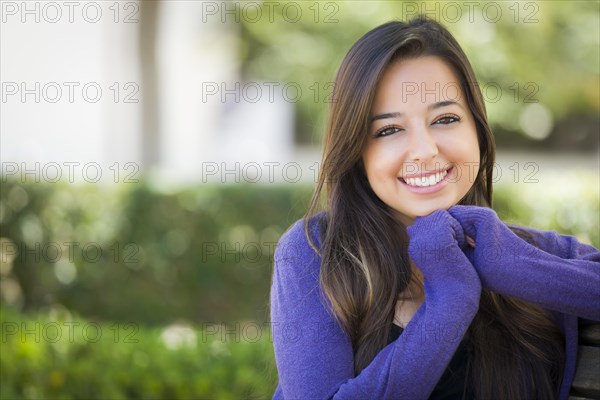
516, 350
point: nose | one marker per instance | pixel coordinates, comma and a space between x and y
422, 145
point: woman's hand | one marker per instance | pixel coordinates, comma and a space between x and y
556, 279
436, 247
494, 242
436, 231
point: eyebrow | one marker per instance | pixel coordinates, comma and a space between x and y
433, 106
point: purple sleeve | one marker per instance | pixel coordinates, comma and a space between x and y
565, 246
314, 356
559, 273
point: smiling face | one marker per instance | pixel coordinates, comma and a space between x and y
422, 152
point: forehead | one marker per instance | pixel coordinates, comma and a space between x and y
424, 80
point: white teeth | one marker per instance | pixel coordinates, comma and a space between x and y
427, 180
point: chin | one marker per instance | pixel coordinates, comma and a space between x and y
425, 212
406, 216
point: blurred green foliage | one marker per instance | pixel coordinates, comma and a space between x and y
201, 254
544, 52
46, 357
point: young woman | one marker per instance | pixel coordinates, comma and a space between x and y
407, 285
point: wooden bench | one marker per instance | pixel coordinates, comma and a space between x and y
586, 384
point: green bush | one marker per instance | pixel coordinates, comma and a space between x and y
72, 358
201, 254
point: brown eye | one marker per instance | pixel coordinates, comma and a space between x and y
387, 131
447, 119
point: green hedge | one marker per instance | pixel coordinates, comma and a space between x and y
66, 358
202, 254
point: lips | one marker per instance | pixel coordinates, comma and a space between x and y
424, 180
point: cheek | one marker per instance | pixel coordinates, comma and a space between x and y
377, 172
381, 159
461, 148
374, 167
463, 151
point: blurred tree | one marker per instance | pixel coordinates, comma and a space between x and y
544, 54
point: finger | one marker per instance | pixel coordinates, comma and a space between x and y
468, 224
470, 241
465, 216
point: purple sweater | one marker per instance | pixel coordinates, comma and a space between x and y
314, 355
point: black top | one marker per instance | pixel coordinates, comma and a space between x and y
451, 384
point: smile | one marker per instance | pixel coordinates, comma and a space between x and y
427, 180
